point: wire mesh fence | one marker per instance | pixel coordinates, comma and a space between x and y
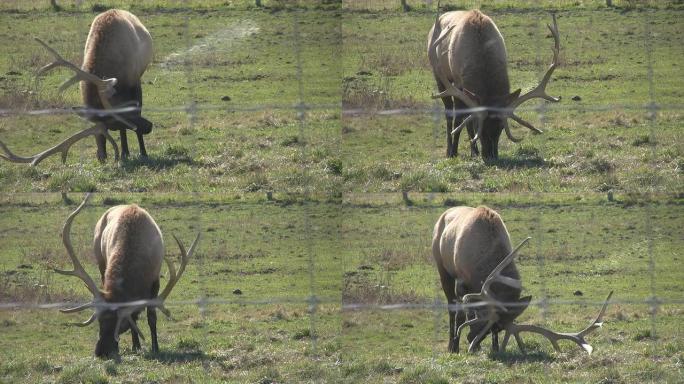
351, 263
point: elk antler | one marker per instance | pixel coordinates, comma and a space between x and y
105, 87
540, 90
577, 337
173, 276
63, 147
78, 270
488, 300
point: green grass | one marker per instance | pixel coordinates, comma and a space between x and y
241, 68
290, 207
370, 249
599, 143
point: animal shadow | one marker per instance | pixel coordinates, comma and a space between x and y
156, 162
173, 357
506, 162
515, 357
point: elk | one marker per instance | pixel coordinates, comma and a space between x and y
474, 257
117, 52
129, 249
468, 59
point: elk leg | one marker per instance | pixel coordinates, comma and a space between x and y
495, 341
152, 318
134, 335
471, 133
449, 287
141, 144
124, 143
142, 128
449, 114
100, 141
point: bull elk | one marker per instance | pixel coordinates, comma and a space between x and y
468, 59
472, 250
117, 52
129, 249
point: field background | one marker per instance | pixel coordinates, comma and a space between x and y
303, 212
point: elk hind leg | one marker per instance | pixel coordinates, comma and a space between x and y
101, 142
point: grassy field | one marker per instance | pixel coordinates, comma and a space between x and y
240, 67
371, 250
604, 141
241, 71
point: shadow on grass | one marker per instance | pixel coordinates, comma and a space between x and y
510, 358
156, 163
172, 357
506, 162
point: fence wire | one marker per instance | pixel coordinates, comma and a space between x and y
314, 300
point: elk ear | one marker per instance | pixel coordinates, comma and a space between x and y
513, 96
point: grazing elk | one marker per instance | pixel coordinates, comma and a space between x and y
117, 52
129, 249
474, 258
468, 59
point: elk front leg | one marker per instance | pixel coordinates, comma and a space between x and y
452, 148
141, 144
449, 287
101, 142
495, 341
134, 335
471, 133
152, 318
124, 143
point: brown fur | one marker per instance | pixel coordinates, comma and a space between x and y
472, 58
467, 244
477, 58
129, 250
118, 46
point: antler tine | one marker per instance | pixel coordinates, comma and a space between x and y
450, 89
489, 301
63, 147
104, 87
173, 276
553, 337
126, 314
540, 90
78, 270
495, 276
509, 134
87, 322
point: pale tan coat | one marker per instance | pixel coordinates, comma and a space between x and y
129, 250
468, 243
118, 46
474, 55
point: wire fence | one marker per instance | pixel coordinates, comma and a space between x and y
430, 298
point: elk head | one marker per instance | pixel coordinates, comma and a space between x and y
492, 315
